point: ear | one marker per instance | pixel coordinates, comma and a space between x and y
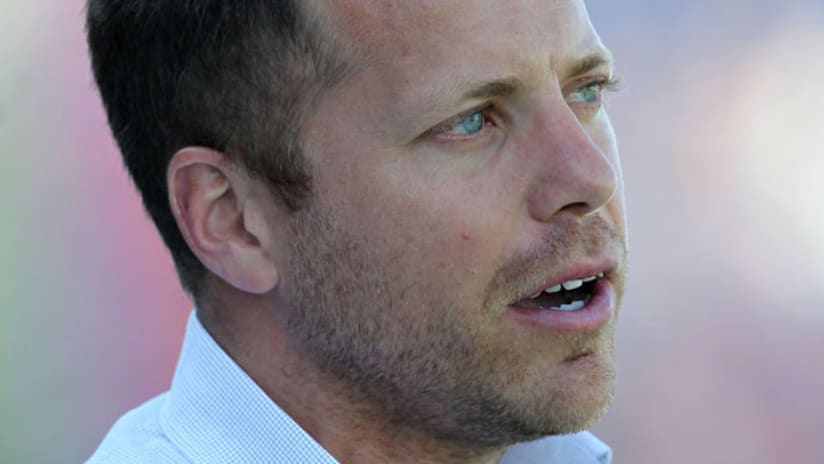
221, 219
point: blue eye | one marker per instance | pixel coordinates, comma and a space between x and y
464, 126
472, 122
588, 94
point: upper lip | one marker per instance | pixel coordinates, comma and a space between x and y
581, 270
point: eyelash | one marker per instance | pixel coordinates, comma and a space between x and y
604, 84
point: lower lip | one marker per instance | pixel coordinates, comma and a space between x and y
595, 314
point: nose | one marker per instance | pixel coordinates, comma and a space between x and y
572, 172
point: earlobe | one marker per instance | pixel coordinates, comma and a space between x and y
211, 202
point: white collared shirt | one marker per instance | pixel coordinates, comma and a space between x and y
214, 413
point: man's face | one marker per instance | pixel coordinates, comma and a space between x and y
466, 166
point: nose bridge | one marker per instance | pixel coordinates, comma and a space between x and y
573, 172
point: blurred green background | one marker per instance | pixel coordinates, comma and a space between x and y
721, 122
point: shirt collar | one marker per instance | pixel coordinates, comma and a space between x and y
216, 413
578, 448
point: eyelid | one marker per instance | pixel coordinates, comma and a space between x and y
607, 82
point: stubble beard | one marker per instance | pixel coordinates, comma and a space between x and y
411, 361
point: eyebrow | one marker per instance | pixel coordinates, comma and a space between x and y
506, 87
499, 88
435, 103
590, 62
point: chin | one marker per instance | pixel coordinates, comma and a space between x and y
580, 392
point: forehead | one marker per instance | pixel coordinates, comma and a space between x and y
416, 58
397, 29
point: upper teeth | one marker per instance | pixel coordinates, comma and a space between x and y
554, 289
572, 284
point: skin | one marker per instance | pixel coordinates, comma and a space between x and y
379, 315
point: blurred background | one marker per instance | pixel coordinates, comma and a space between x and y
721, 122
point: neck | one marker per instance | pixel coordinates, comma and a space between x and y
349, 429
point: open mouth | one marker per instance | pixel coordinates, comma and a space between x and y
570, 295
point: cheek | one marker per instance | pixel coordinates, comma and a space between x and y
473, 242
447, 240
447, 237
444, 226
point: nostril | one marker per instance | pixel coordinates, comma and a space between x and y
580, 208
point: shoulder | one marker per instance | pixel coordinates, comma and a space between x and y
137, 438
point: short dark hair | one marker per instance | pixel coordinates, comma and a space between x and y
236, 76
